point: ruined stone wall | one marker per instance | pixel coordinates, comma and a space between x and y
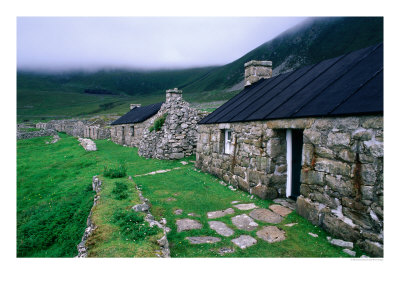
78, 128
342, 170
178, 136
21, 135
122, 134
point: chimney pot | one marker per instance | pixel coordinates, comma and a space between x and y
132, 106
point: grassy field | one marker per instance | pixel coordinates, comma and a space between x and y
54, 198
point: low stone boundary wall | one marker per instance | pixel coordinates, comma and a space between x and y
23, 135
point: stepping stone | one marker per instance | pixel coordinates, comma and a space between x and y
244, 241
187, 224
289, 203
313, 234
290, 224
234, 202
170, 199
245, 206
244, 222
271, 234
193, 215
280, 210
223, 183
220, 213
203, 239
225, 250
178, 211
221, 228
265, 215
349, 252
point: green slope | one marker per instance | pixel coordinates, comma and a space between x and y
60, 95
314, 40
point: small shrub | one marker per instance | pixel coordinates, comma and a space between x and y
120, 190
158, 123
132, 225
117, 172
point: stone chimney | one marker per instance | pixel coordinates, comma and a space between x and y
255, 70
132, 106
173, 95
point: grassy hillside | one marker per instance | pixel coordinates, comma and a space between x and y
41, 96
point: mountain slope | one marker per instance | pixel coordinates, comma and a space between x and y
71, 94
314, 40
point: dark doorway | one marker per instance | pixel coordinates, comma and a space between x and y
294, 140
297, 149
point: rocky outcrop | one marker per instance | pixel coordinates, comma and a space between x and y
88, 144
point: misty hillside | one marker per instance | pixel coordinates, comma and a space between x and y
105, 91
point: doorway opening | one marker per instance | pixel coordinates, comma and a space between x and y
294, 146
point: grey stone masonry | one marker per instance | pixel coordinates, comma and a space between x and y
256, 70
177, 138
95, 128
341, 177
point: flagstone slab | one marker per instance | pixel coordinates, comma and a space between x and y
245, 206
290, 224
244, 222
265, 215
220, 213
280, 210
235, 201
203, 239
225, 250
289, 203
244, 241
188, 224
178, 211
221, 228
271, 234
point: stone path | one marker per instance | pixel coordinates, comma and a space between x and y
187, 224
220, 213
157, 172
244, 222
275, 214
221, 228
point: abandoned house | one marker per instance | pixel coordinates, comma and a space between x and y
166, 130
128, 129
315, 135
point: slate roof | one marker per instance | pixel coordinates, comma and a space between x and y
351, 84
138, 114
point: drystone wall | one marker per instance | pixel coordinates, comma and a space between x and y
78, 128
341, 177
177, 137
22, 135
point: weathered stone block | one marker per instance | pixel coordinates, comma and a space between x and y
368, 174
307, 209
312, 136
373, 122
345, 188
338, 139
332, 167
312, 177
339, 228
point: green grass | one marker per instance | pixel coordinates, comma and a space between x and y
53, 193
115, 220
199, 193
54, 198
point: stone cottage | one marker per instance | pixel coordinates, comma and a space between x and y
174, 136
314, 134
128, 129
177, 137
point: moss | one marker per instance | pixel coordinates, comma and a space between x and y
158, 123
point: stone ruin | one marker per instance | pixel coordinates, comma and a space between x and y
95, 128
177, 138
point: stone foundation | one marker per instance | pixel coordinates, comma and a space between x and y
341, 177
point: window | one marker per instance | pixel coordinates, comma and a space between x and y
228, 147
132, 130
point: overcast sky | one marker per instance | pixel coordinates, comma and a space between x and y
65, 43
